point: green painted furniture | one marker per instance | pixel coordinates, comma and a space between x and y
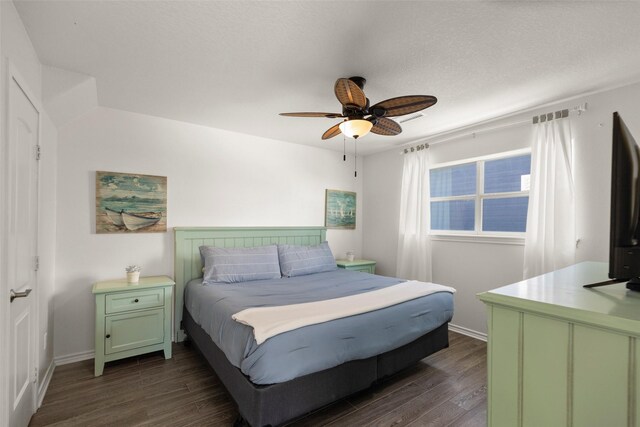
188, 264
364, 265
132, 319
560, 354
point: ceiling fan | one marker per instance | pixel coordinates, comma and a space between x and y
360, 118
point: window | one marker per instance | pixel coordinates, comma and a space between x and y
483, 196
453, 192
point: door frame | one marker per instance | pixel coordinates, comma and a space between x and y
12, 73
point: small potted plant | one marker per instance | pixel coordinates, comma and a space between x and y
133, 273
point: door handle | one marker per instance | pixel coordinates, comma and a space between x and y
15, 294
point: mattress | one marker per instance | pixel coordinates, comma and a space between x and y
316, 347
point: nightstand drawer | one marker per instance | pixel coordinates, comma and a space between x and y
133, 330
135, 300
363, 265
364, 268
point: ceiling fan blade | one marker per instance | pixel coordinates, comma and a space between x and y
402, 105
328, 115
332, 131
386, 127
349, 94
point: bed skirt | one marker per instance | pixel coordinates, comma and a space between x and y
274, 404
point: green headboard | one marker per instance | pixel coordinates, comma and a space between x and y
188, 240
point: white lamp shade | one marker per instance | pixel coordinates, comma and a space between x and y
355, 128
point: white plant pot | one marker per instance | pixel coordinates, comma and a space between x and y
133, 277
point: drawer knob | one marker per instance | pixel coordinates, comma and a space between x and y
108, 336
135, 300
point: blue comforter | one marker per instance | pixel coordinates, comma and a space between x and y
316, 347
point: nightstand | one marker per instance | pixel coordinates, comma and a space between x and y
132, 318
364, 265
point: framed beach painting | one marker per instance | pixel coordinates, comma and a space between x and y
340, 209
130, 203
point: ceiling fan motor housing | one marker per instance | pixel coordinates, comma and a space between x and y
352, 111
360, 81
378, 111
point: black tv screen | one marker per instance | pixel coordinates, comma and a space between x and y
624, 251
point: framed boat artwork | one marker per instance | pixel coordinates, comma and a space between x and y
340, 209
130, 203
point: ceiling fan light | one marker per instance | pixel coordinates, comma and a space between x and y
355, 128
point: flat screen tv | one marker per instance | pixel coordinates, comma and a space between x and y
624, 240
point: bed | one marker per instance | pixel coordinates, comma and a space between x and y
266, 395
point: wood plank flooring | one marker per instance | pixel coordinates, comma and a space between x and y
444, 389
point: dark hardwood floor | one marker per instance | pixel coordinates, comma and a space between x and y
445, 389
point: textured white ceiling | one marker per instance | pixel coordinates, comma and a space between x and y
236, 64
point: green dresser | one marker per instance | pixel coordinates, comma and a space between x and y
132, 319
563, 355
364, 265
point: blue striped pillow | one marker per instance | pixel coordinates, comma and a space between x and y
234, 265
303, 260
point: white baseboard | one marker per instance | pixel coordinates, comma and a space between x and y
44, 385
74, 357
468, 332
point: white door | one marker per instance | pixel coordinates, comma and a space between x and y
22, 195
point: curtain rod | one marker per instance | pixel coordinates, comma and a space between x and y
578, 110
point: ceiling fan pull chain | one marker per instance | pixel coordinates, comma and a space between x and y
355, 158
344, 148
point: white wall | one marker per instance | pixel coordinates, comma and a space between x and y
4, 305
474, 267
215, 178
17, 47
47, 241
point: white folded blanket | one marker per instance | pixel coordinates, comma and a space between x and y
271, 321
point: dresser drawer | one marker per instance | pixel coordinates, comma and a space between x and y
135, 300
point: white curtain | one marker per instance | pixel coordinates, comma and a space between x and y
414, 246
550, 241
